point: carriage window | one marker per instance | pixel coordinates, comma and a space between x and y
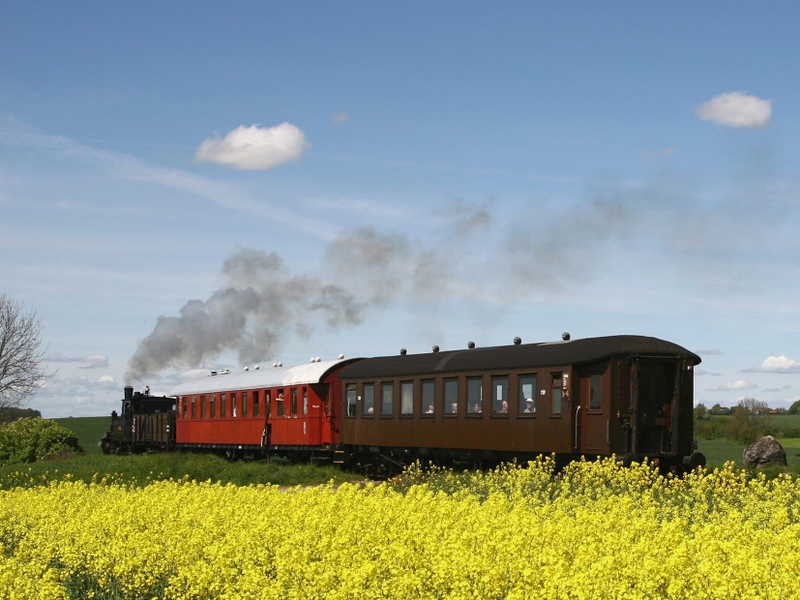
451, 396
527, 394
184, 406
244, 404
222, 406
556, 389
387, 399
407, 398
474, 395
500, 395
194, 407
594, 393
294, 400
351, 400
255, 403
212, 412
279, 404
202, 407
233, 405
427, 397
368, 391
305, 401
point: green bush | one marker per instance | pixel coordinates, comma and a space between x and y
30, 439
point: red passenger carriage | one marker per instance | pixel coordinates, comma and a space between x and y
293, 411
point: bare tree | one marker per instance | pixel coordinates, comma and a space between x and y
22, 366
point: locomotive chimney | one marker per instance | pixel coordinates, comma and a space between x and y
128, 392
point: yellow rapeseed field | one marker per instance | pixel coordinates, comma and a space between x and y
595, 530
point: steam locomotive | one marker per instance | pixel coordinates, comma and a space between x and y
629, 396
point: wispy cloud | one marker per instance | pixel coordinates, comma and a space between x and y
780, 389
654, 154
739, 384
735, 109
340, 118
95, 361
16, 134
700, 372
361, 206
711, 352
255, 148
776, 364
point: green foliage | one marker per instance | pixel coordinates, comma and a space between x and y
745, 423
794, 408
700, 412
30, 439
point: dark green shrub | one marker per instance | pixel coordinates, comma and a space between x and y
10, 414
30, 439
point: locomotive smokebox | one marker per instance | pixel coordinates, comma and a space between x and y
128, 392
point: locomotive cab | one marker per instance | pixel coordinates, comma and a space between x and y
145, 423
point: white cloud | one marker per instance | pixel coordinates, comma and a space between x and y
194, 374
776, 364
255, 148
106, 382
342, 117
739, 384
736, 109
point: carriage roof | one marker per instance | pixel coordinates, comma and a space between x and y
268, 377
520, 356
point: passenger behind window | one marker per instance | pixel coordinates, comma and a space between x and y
430, 410
530, 406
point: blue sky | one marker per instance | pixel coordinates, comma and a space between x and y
210, 185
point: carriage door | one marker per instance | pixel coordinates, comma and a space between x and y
657, 400
593, 420
314, 397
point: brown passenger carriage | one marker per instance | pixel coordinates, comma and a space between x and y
630, 396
